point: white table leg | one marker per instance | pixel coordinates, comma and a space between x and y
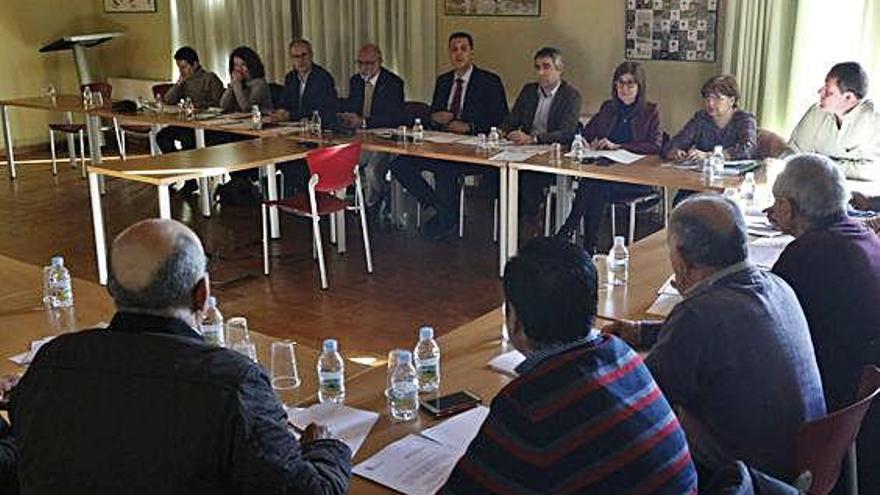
503, 216
204, 189
564, 198
512, 212
93, 125
154, 145
667, 206
7, 138
71, 141
341, 245
272, 192
164, 201
98, 226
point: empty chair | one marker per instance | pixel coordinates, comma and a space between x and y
77, 129
332, 170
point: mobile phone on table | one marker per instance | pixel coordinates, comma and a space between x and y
448, 405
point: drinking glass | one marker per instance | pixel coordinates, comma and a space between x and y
238, 339
481, 141
98, 99
285, 375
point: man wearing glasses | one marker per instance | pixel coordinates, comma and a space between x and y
375, 99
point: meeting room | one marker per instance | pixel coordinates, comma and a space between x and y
440, 246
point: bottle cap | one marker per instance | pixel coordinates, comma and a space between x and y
330, 345
212, 302
418, 120
404, 356
719, 149
618, 240
426, 333
57, 261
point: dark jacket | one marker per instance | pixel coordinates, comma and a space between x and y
646, 132
387, 108
562, 120
319, 94
146, 406
485, 102
8, 460
738, 138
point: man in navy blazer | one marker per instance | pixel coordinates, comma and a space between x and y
375, 99
467, 100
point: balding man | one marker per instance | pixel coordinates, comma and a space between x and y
833, 265
146, 406
307, 88
375, 99
734, 357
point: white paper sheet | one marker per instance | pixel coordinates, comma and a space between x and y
473, 141
757, 224
514, 155
506, 363
765, 251
443, 137
25, 358
668, 288
663, 305
348, 424
458, 431
619, 156
413, 465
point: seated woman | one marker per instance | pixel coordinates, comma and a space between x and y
248, 86
626, 121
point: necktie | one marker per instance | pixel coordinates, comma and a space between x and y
368, 99
455, 108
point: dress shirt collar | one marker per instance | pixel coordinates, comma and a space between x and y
715, 277
540, 355
466, 77
127, 322
303, 78
542, 93
373, 80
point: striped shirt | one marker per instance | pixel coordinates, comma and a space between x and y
588, 419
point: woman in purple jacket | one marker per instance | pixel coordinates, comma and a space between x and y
626, 121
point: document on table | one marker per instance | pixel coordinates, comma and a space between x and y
443, 137
667, 298
765, 251
619, 156
25, 358
757, 224
421, 464
506, 363
348, 424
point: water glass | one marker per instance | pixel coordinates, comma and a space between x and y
285, 375
600, 261
401, 134
238, 339
481, 141
98, 99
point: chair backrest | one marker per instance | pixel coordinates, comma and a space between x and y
417, 110
769, 145
334, 166
821, 445
159, 90
105, 89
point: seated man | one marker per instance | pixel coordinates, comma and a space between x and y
467, 100
202, 87
545, 112
584, 415
734, 357
146, 406
307, 88
843, 125
375, 99
833, 265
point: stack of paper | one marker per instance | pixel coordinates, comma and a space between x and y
25, 358
421, 464
506, 363
348, 424
619, 156
667, 298
765, 251
443, 137
512, 154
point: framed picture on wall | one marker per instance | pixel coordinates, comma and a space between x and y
129, 6
517, 8
683, 30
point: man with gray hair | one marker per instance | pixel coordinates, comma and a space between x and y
146, 406
734, 357
833, 265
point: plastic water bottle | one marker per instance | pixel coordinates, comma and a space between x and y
87, 97
418, 132
211, 325
316, 124
716, 162
256, 118
57, 286
578, 147
189, 109
331, 374
403, 392
427, 357
618, 263
747, 190
494, 139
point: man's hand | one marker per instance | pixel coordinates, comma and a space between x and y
315, 432
678, 155
458, 127
442, 118
350, 120
604, 144
278, 116
520, 138
7, 383
626, 330
696, 155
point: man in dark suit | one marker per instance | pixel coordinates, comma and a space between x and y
545, 112
375, 99
467, 100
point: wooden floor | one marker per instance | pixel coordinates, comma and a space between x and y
415, 281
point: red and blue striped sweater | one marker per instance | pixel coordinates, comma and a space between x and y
584, 419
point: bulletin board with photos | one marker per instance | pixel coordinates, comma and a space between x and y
678, 30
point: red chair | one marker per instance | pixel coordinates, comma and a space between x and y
159, 91
333, 169
822, 445
77, 129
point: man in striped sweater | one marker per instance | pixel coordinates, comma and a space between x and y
584, 415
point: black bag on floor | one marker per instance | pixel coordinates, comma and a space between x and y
239, 191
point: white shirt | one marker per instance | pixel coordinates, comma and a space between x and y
303, 80
466, 77
371, 80
855, 146
542, 113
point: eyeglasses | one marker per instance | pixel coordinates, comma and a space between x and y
716, 97
626, 83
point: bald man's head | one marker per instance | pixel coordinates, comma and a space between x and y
709, 230
156, 266
369, 60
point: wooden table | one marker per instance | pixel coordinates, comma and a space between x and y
164, 170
